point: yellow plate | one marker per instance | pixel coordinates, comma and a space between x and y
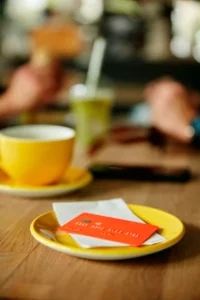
73, 179
44, 230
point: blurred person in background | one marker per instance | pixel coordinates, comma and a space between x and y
32, 85
174, 110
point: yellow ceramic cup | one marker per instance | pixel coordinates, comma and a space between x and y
36, 154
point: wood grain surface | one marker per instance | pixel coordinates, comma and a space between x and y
28, 270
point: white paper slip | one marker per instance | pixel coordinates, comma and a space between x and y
66, 211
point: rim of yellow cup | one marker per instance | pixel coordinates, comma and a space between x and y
40, 133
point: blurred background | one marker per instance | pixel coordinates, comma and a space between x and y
146, 40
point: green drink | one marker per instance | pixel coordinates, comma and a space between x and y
91, 113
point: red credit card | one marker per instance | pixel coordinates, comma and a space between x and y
111, 229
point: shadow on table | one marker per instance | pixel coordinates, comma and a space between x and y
187, 248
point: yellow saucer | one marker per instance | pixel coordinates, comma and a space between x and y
72, 180
44, 230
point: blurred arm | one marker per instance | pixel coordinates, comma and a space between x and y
6, 110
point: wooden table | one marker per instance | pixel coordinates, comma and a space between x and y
29, 270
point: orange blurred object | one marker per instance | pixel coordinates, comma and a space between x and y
60, 39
